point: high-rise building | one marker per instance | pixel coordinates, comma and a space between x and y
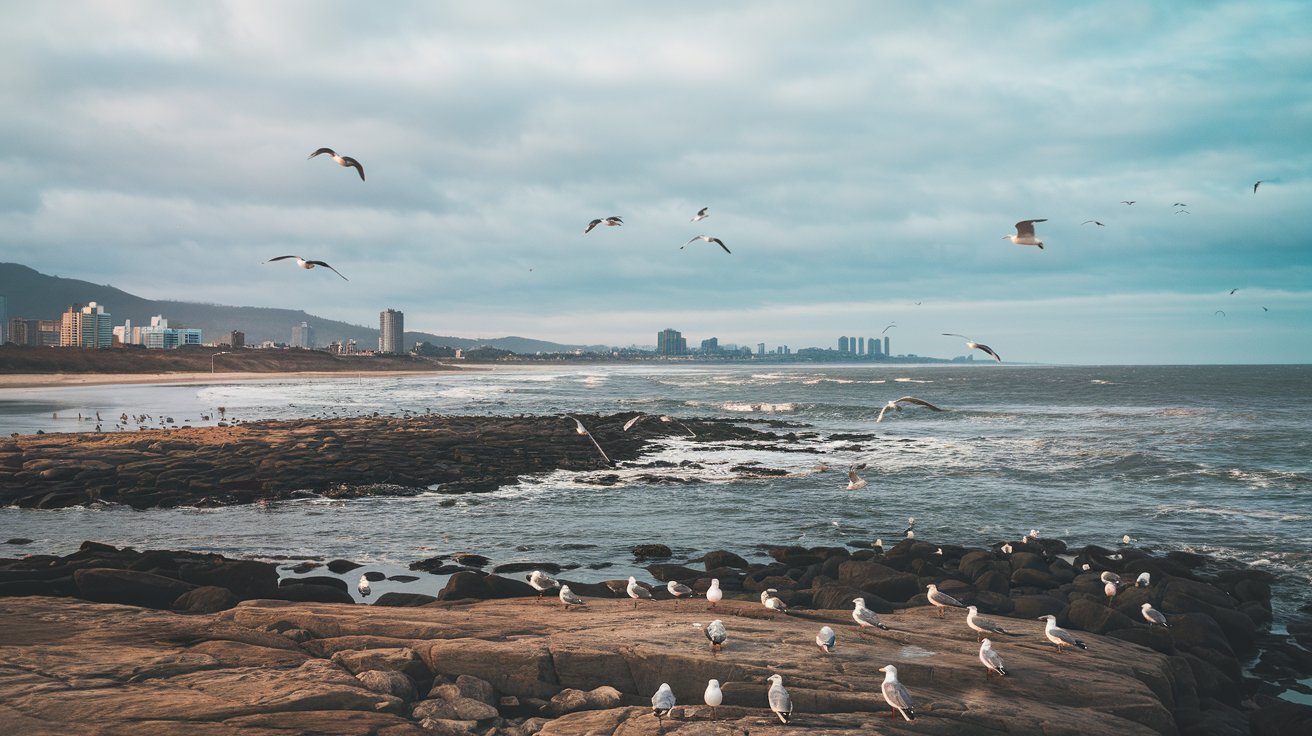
4, 320
87, 327
47, 332
887, 353
760, 348
711, 345
391, 332
861, 346
236, 339
671, 342
875, 349
25, 331
842, 344
303, 336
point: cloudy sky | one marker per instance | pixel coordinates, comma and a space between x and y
862, 161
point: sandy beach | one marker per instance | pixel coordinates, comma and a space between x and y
39, 380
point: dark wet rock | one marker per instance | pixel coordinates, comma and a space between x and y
128, 586
1277, 717
245, 578
666, 573
1024, 560
403, 578
881, 580
1029, 577
428, 564
322, 580
18, 540
205, 599
1033, 606
471, 560
993, 581
1193, 630
312, 594
464, 585
993, 604
301, 568
1154, 637
721, 558
343, 566
547, 567
374, 576
404, 600
651, 552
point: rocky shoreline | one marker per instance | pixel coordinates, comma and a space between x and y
339, 458
1215, 670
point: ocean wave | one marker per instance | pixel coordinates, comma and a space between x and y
762, 407
910, 380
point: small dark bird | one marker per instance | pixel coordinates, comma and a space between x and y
1099, 224
1129, 201
1255, 184
340, 160
1232, 291
1179, 204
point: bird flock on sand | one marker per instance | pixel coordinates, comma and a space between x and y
899, 699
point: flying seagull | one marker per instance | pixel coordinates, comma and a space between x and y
894, 405
612, 221
1099, 224
340, 160
664, 418
854, 481
1183, 212
307, 265
1128, 201
1220, 312
701, 215
897, 697
583, 431
780, 703
1025, 234
1179, 204
886, 329
1232, 291
708, 239
971, 344
1259, 181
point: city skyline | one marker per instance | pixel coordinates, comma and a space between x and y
861, 161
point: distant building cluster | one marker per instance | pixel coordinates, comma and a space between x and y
870, 347
671, 342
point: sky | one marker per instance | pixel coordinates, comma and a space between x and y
862, 161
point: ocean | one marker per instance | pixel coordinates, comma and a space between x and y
1211, 459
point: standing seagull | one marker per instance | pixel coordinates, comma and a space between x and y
990, 658
340, 160
1143, 580
716, 634
307, 265
971, 344
567, 598
701, 215
825, 639
363, 587
707, 239
854, 481
1058, 636
583, 431
637, 592
713, 593
542, 582
941, 600
895, 406
864, 617
983, 625
897, 697
1025, 234
773, 603
713, 696
661, 703
780, 703
611, 221
1153, 616
678, 590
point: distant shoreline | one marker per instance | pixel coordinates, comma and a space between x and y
47, 380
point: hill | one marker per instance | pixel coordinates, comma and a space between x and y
34, 295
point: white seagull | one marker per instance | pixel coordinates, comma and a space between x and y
990, 658
582, 431
895, 406
637, 592
678, 590
664, 418
713, 696
611, 221
854, 481
1126, 539
1058, 636
541, 582
825, 639
1110, 577
701, 215
716, 634
972, 345
1143, 580
707, 239
780, 703
567, 598
1153, 616
340, 160
773, 603
713, 593
363, 586
983, 625
1025, 234
864, 617
941, 600
897, 697
662, 702
307, 265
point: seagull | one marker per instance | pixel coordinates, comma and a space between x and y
1259, 181
897, 697
707, 239
886, 329
1007, 548
1232, 291
1179, 204
716, 633
1126, 539
773, 603
664, 418
1143, 580
990, 659
307, 265
1025, 234
854, 481
1183, 212
363, 586
1110, 591
1034, 533
895, 405
1058, 636
972, 345
1153, 616
1099, 224
567, 598
661, 703
911, 524
678, 590
637, 592
713, 696
612, 221
878, 546
1220, 312
941, 600
713, 593
701, 215
780, 703
825, 639
864, 617
1110, 577
340, 160
583, 431
1128, 202
542, 582
983, 625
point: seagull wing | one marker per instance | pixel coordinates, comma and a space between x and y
991, 657
629, 424
896, 695
330, 268
780, 702
918, 402
328, 151
352, 162
720, 243
880, 418
953, 334
988, 350
690, 242
852, 476
591, 225
280, 258
1026, 227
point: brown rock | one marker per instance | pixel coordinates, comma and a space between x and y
388, 682
128, 586
205, 599
400, 659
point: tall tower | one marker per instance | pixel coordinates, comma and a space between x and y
391, 328
861, 346
842, 344
303, 336
887, 354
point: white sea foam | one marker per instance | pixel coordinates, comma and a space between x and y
762, 407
